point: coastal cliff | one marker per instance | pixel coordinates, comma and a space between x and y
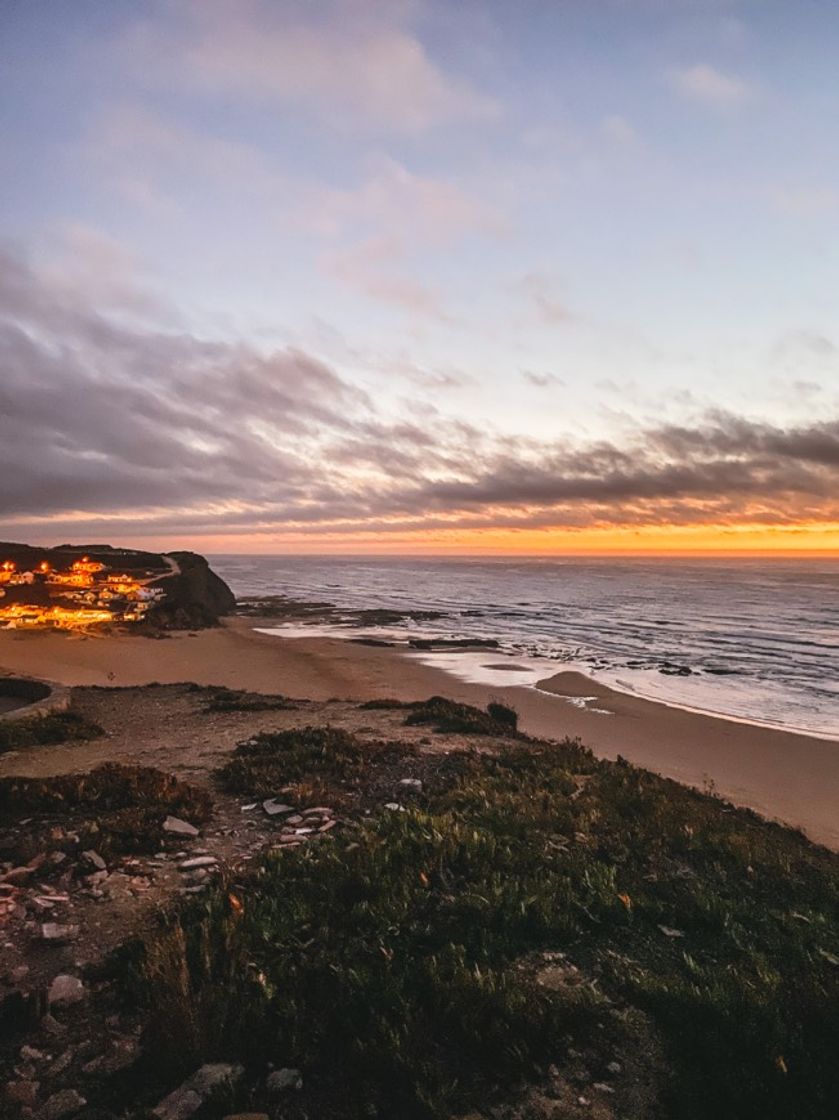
195, 596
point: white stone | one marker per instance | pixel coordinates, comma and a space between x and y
179, 827
65, 990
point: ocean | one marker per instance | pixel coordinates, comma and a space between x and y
757, 640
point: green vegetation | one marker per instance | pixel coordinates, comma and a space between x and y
46, 730
114, 808
447, 716
237, 700
312, 763
540, 905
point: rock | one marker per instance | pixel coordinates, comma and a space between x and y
123, 1054
57, 934
614, 1067
66, 990
18, 876
282, 1080
65, 1103
412, 785
179, 1105
602, 1087
296, 819
668, 931
453, 643
274, 808
395, 807
188, 1098
95, 860
196, 862
179, 827
62, 1063
23, 1092
52, 1026
195, 597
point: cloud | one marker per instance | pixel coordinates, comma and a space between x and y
439, 210
348, 61
376, 268
710, 86
805, 346
542, 380
373, 227
109, 423
540, 290
88, 265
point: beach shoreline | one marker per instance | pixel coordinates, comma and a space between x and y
783, 775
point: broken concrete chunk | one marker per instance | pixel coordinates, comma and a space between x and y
94, 860
198, 861
57, 934
18, 876
179, 827
66, 990
274, 808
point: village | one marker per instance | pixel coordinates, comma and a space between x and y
87, 593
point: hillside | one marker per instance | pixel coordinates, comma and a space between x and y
406, 910
78, 586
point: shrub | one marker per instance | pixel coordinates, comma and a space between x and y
320, 757
236, 700
116, 808
46, 730
450, 717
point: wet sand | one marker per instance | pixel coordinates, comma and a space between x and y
785, 776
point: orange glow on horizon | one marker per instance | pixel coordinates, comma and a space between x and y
816, 540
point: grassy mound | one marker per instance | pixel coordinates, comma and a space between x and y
114, 808
312, 763
447, 716
46, 730
541, 906
237, 700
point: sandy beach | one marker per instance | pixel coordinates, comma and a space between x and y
785, 776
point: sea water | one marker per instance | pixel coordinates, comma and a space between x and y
753, 639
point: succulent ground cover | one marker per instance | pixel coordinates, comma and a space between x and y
525, 910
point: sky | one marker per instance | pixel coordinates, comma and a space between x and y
417, 277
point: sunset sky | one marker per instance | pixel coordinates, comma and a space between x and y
553, 275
